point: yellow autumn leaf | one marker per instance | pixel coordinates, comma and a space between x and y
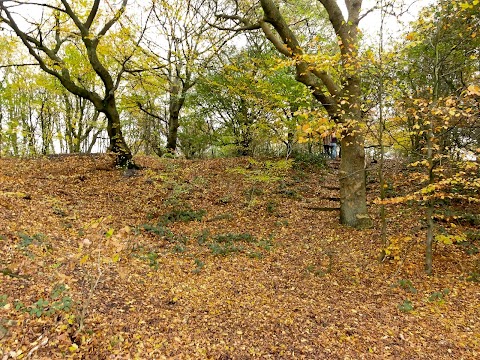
84, 259
474, 90
17, 194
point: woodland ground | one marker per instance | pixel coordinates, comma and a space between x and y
219, 259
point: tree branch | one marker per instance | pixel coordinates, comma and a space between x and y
278, 43
115, 18
335, 16
18, 65
247, 25
93, 13
148, 112
68, 10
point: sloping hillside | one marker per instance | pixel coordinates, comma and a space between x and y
217, 259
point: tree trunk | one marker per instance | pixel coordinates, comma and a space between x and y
245, 130
173, 124
114, 130
289, 143
177, 99
353, 207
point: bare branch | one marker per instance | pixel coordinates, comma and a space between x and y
115, 18
17, 65
92, 14
39, 4
68, 10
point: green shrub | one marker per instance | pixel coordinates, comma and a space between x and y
224, 249
406, 285
182, 215
203, 237
271, 207
159, 230
438, 295
226, 244
199, 264
152, 258
405, 306
231, 238
46, 307
474, 275
305, 160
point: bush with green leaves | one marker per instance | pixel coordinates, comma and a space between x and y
230, 243
405, 306
183, 215
439, 295
305, 160
58, 301
194, 137
406, 285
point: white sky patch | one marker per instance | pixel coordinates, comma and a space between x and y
407, 11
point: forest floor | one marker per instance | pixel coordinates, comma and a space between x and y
220, 259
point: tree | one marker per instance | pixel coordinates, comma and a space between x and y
251, 99
24, 106
225, 99
339, 94
181, 45
46, 42
437, 77
439, 58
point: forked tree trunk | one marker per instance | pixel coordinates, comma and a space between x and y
56, 67
341, 99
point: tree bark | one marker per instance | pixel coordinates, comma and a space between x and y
353, 207
177, 99
114, 130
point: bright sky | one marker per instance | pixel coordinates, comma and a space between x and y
370, 25
393, 26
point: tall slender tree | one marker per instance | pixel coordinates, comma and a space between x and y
180, 45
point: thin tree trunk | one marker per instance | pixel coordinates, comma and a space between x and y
381, 177
430, 205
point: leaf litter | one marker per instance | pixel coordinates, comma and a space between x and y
200, 260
